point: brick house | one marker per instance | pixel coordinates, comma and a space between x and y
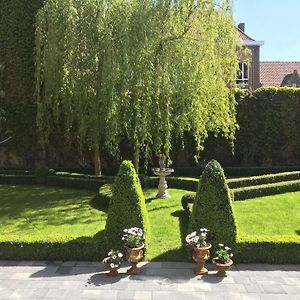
264, 73
249, 75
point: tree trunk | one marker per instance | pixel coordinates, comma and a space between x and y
97, 161
136, 159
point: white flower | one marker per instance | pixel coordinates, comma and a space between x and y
112, 265
196, 239
193, 233
231, 255
114, 257
221, 245
203, 234
227, 248
120, 254
110, 252
125, 230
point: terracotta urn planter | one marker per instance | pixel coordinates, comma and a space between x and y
222, 268
200, 256
134, 255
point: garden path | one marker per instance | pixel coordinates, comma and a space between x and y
157, 281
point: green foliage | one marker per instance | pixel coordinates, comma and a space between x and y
75, 183
188, 199
105, 194
79, 249
264, 179
42, 171
87, 76
271, 250
269, 123
266, 190
17, 179
17, 19
213, 208
127, 208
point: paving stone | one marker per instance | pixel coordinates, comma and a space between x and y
163, 281
125, 295
291, 280
253, 288
142, 295
273, 289
292, 290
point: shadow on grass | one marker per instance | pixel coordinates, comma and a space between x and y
48, 205
96, 204
178, 254
297, 231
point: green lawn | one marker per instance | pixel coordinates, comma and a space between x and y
29, 213
269, 216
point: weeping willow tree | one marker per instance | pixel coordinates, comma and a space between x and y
76, 72
142, 70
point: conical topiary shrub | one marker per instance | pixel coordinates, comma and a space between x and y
212, 207
127, 207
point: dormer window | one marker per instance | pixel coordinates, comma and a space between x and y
242, 77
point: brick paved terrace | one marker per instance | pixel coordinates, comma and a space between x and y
157, 281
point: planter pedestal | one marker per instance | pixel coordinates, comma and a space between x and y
134, 255
200, 256
222, 268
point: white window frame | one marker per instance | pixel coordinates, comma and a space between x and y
242, 81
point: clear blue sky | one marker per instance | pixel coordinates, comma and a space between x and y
276, 22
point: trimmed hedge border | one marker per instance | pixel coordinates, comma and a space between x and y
17, 179
236, 171
265, 190
75, 183
283, 250
264, 179
78, 249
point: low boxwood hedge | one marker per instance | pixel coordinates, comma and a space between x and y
76, 183
17, 179
272, 250
264, 179
265, 190
83, 248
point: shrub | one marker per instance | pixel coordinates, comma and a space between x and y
105, 194
83, 248
266, 190
264, 179
187, 199
127, 208
76, 183
272, 250
41, 171
17, 179
212, 208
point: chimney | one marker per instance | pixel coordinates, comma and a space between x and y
241, 26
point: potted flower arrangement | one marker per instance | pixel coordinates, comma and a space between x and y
197, 240
223, 261
134, 244
113, 260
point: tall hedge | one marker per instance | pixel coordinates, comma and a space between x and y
17, 19
127, 207
213, 206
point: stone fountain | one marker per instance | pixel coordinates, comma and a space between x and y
162, 172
